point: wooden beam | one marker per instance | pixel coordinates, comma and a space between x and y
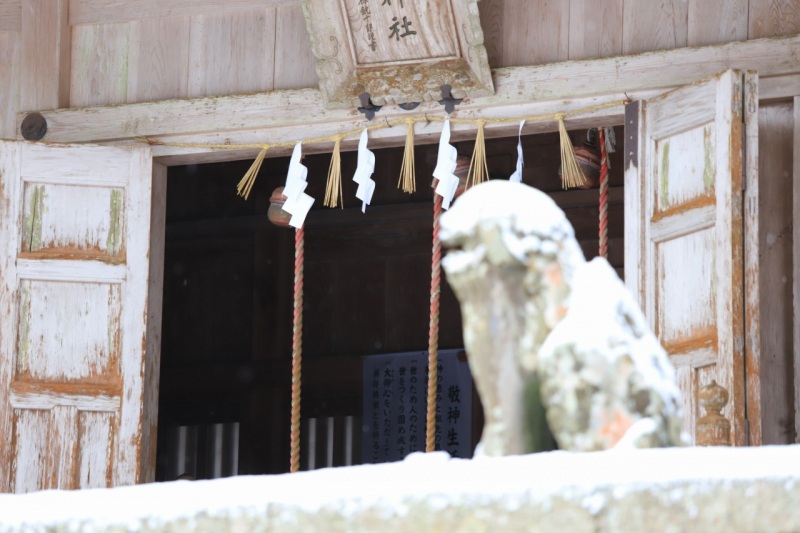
46, 47
796, 265
779, 87
110, 11
281, 116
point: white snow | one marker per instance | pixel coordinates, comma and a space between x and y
597, 319
433, 478
519, 210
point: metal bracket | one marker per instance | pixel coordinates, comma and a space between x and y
447, 100
408, 106
367, 107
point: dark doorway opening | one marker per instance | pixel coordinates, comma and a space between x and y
224, 398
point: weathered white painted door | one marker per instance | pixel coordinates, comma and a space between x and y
686, 226
75, 225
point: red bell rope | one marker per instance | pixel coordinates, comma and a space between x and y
297, 349
433, 331
603, 246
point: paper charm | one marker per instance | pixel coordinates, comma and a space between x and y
364, 169
445, 165
517, 175
298, 203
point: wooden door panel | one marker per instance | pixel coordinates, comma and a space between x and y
71, 221
74, 245
56, 316
95, 448
689, 236
686, 303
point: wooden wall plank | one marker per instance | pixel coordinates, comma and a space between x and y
595, 28
491, 12
9, 82
158, 67
717, 21
100, 64
232, 53
775, 229
796, 265
654, 25
533, 32
294, 60
10, 15
108, 11
772, 18
45, 55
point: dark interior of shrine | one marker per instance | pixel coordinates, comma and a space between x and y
224, 395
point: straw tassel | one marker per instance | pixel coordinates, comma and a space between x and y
478, 171
407, 180
246, 183
571, 173
333, 190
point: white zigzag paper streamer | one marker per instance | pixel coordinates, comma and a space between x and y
298, 203
517, 175
364, 170
445, 165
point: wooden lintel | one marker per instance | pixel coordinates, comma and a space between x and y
281, 116
778, 87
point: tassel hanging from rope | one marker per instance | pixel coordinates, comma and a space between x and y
297, 348
333, 189
246, 183
478, 171
603, 225
571, 173
433, 330
408, 181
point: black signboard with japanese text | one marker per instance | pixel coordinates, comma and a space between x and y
395, 400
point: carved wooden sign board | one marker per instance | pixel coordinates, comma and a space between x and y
398, 51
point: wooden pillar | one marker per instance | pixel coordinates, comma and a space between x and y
45, 65
796, 264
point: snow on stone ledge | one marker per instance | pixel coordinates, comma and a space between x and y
679, 489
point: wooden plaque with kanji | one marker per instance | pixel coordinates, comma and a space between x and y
398, 51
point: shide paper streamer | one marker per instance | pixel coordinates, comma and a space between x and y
364, 170
445, 165
298, 203
517, 175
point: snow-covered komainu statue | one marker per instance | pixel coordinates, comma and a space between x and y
557, 346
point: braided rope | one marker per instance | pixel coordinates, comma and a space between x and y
433, 331
297, 349
603, 226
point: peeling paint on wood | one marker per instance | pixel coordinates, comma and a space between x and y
114, 239
72, 415
663, 190
66, 331
692, 228
708, 167
66, 221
